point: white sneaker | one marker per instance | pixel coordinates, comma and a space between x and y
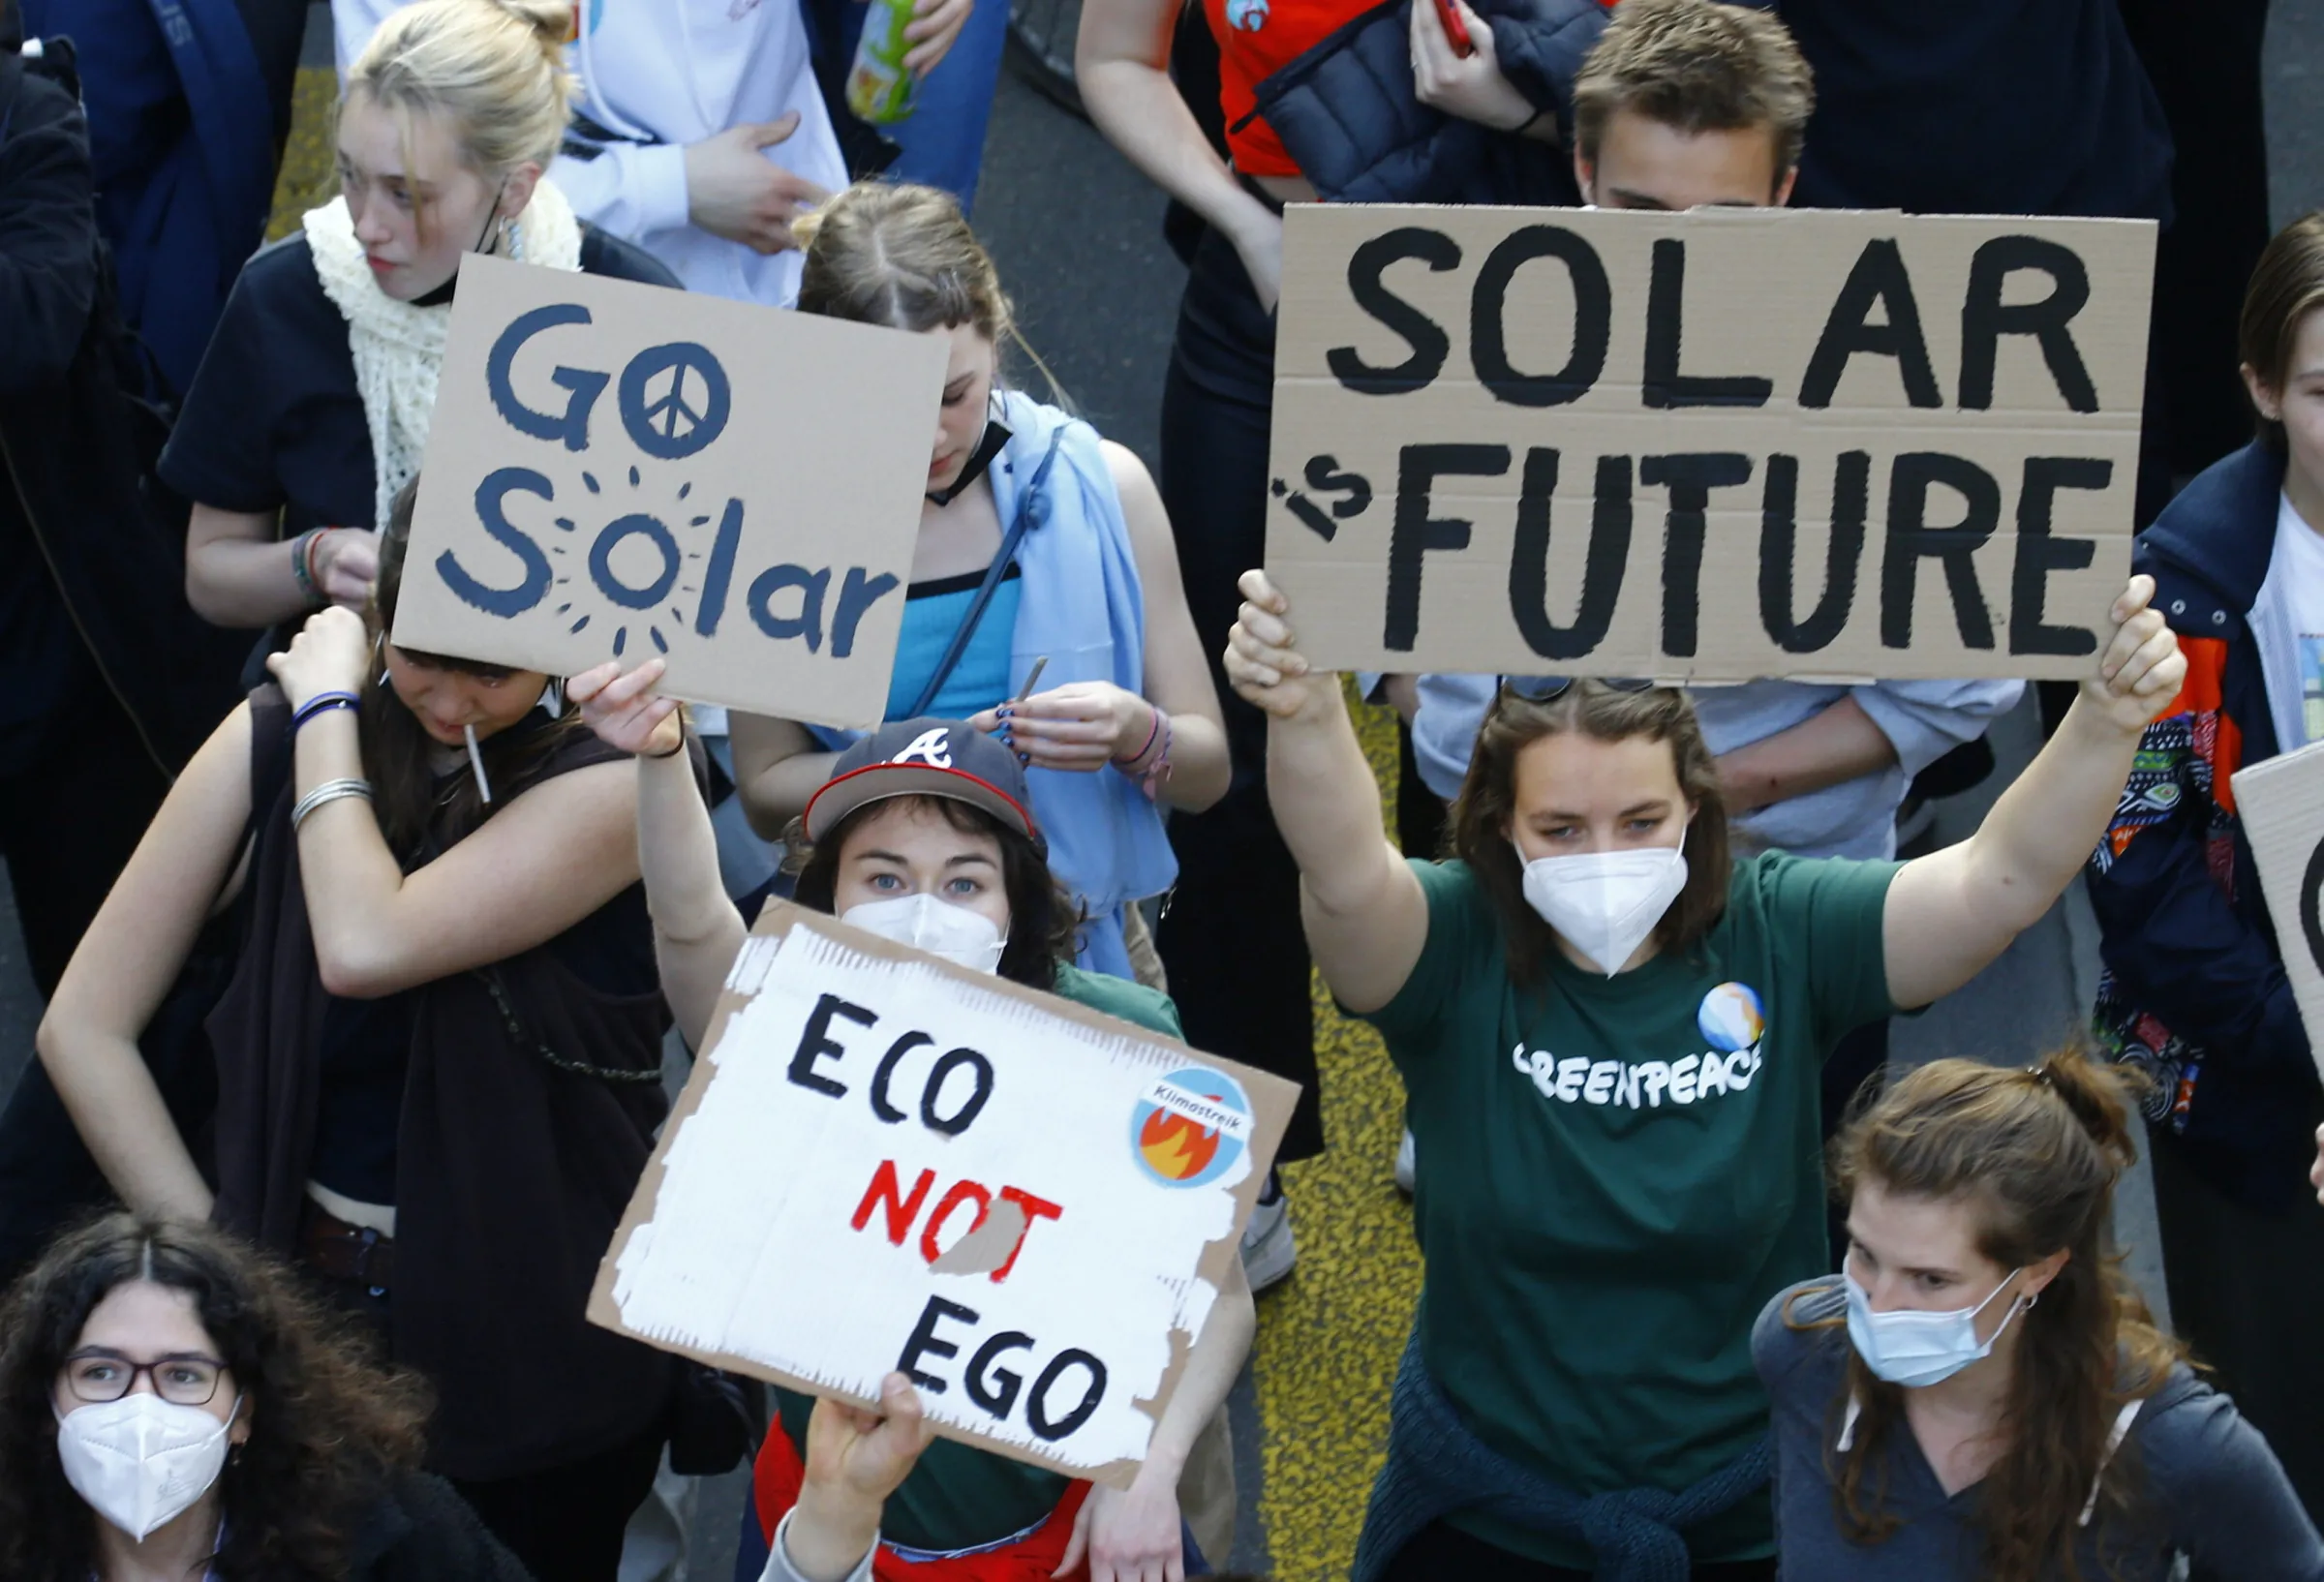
1405, 1164
1268, 1248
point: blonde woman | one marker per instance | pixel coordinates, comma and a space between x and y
312, 404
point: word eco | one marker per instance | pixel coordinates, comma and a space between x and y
599, 483
1719, 443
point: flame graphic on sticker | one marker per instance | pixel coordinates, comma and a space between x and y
1176, 1147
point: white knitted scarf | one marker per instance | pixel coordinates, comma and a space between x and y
398, 345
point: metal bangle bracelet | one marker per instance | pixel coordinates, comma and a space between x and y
327, 791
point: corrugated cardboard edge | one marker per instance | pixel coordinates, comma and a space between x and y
1271, 1099
2272, 797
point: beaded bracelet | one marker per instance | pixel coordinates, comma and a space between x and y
300, 572
327, 791
1151, 766
324, 702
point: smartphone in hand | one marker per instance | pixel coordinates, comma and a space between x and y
1456, 30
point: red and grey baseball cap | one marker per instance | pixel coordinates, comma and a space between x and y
923, 758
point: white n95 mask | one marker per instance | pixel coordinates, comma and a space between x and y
1915, 1349
964, 939
1604, 903
140, 1461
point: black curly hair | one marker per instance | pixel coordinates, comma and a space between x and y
330, 1428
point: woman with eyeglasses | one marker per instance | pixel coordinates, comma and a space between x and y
1611, 1038
172, 1408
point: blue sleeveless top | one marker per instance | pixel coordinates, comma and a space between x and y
1084, 612
931, 612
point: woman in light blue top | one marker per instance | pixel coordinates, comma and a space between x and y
1045, 603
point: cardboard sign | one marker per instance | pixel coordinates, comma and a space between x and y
886, 1162
1723, 443
616, 471
2282, 803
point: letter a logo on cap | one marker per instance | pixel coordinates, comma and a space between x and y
928, 747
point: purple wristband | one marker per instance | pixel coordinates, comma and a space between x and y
322, 703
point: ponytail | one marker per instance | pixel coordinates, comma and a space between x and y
2034, 1154
2097, 1097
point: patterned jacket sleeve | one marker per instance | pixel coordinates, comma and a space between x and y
2177, 949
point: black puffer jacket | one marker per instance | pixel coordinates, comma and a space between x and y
1348, 112
76, 453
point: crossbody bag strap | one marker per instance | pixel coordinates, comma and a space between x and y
1019, 525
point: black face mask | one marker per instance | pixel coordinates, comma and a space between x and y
996, 437
442, 293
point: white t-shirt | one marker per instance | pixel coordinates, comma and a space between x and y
2288, 620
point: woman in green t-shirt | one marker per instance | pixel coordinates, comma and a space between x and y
921, 835
1610, 1039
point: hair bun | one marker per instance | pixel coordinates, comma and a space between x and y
552, 21
807, 224
2099, 1095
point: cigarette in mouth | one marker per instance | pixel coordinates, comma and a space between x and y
476, 762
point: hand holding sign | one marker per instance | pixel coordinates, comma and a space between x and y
1264, 667
2143, 669
855, 1459
623, 709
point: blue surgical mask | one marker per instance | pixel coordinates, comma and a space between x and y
1915, 1349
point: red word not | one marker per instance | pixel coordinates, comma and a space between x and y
886, 1191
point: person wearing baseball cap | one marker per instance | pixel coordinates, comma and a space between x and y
922, 834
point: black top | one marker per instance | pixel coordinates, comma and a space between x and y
274, 421
365, 1048
1979, 106
421, 1530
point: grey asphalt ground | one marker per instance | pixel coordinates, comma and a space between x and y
1077, 236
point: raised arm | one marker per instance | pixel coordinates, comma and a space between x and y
778, 766
1951, 912
1365, 917
1136, 1533
696, 928
546, 860
130, 956
1121, 58
854, 1460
